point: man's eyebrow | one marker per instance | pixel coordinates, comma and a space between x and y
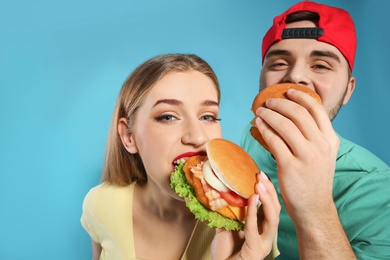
277, 52
316, 53
328, 54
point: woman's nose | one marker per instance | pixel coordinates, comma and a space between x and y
194, 133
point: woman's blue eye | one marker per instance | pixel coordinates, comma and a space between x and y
170, 118
165, 118
210, 118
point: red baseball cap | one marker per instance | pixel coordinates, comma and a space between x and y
335, 27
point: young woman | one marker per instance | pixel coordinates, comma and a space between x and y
167, 107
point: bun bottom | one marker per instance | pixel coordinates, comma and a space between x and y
258, 137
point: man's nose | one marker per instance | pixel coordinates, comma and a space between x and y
297, 74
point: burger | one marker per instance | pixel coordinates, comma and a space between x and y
274, 91
217, 185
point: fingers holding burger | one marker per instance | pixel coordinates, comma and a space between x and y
275, 91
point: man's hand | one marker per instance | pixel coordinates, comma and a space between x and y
305, 145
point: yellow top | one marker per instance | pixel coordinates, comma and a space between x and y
107, 217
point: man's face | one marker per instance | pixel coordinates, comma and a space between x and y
316, 65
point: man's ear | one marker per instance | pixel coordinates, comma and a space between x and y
350, 89
126, 136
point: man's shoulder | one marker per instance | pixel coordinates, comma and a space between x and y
353, 157
361, 178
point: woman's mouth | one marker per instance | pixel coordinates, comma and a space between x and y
178, 161
184, 157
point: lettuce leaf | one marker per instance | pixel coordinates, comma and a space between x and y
181, 186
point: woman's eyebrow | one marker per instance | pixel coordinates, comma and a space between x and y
176, 102
210, 103
168, 101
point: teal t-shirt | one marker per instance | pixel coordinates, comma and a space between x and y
361, 192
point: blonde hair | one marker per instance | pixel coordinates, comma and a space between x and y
120, 166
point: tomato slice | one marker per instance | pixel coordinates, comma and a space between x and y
234, 199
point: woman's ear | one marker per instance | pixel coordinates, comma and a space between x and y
126, 136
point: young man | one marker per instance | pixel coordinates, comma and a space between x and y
334, 193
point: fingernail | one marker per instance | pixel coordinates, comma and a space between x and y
291, 90
262, 187
264, 176
268, 101
258, 111
259, 120
257, 199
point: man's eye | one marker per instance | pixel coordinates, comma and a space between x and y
278, 65
321, 67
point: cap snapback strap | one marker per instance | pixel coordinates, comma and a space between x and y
310, 33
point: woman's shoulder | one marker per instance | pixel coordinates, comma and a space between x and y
110, 188
107, 216
107, 194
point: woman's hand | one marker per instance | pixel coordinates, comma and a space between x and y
261, 226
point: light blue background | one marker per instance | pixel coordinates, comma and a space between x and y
62, 64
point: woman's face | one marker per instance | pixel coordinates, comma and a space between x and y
179, 115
